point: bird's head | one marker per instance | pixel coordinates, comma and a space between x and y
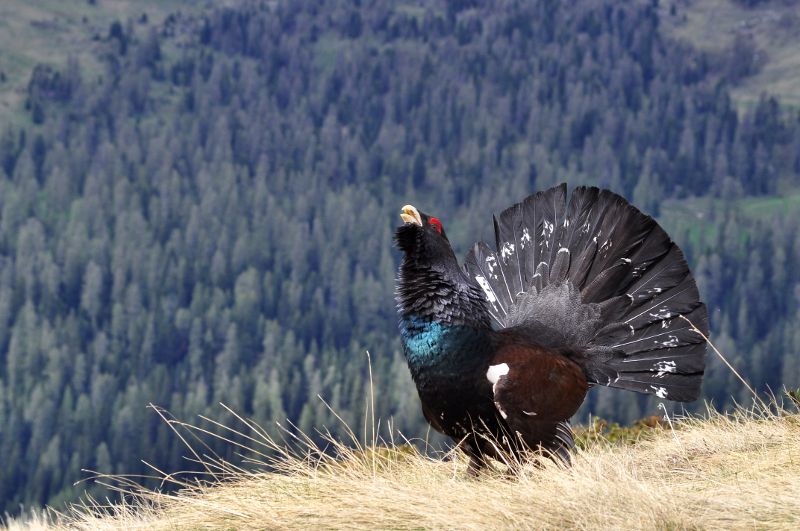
430, 282
424, 242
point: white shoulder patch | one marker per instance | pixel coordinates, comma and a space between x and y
495, 372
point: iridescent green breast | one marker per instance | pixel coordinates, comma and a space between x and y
439, 349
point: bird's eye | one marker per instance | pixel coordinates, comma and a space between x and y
436, 224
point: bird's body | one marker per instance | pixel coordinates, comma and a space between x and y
581, 295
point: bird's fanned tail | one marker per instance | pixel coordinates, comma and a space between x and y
632, 280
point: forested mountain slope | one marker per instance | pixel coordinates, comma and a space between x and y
214, 225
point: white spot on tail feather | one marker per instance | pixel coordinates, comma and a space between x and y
526, 237
487, 289
507, 250
547, 231
563, 250
671, 342
660, 392
662, 313
530, 413
664, 367
491, 263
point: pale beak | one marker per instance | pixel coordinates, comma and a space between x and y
411, 215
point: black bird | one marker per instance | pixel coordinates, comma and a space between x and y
581, 294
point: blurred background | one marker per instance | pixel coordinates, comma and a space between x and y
197, 199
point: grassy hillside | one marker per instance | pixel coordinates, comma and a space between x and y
695, 210
773, 27
50, 31
723, 472
687, 219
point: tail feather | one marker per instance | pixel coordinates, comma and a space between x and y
666, 358
606, 284
481, 264
590, 223
686, 358
621, 261
608, 241
541, 279
654, 247
565, 438
622, 233
667, 333
576, 224
530, 241
579, 271
680, 299
678, 387
667, 273
510, 265
554, 207
560, 266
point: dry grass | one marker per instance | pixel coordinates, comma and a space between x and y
722, 472
34, 522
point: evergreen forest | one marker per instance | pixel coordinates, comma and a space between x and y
209, 219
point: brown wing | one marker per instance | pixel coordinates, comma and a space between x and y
537, 390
